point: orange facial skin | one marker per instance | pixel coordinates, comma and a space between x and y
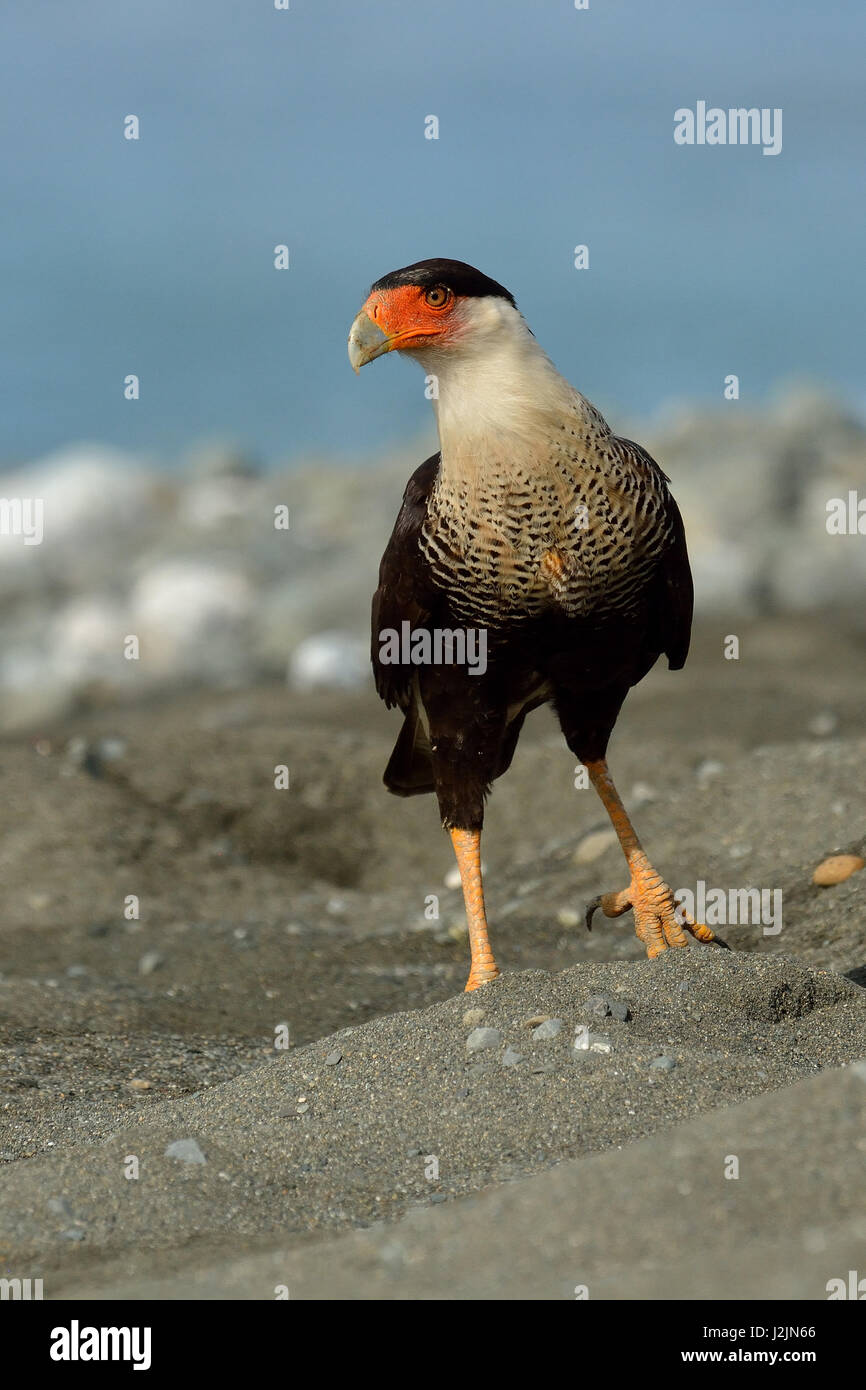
408, 316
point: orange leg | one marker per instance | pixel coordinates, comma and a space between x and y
658, 922
467, 847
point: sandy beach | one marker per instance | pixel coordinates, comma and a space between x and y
378, 1153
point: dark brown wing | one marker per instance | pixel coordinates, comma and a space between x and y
405, 592
676, 594
672, 601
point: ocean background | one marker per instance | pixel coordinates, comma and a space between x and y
306, 127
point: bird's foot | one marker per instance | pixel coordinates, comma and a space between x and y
480, 973
659, 922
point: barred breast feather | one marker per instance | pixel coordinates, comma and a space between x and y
578, 525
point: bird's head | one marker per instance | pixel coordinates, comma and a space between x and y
435, 306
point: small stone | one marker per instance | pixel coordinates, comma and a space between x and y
302, 1107
75, 972
709, 768
510, 1058
111, 750
551, 1028
620, 1011
534, 1020
483, 1037
334, 1058
594, 845
413, 1152
439, 1197
662, 1063
187, 1150
836, 869
472, 1018
567, 917
138, 1083
599, 1043
598, 1005
150, 961
824, 724
74, 1233
61, 1207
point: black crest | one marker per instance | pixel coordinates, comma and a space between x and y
463, 279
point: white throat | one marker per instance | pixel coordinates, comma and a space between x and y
492, 386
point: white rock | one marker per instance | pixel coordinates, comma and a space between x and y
330, 661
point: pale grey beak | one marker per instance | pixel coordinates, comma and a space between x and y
366, 341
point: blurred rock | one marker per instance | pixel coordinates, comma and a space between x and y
330, 661
194, 563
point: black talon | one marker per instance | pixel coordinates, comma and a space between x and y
591, 908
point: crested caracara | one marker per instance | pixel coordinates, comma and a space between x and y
537, 529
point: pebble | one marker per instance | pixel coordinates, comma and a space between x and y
150, 961
594, 845
333, 1059
597, 1005
483, 1037
824, 724
709, 768
567, 917
439, 1197
187, 1150
472, 1018
836, 869
551, 1028
662, 1063
534, 1020
75, 972
74, 1233
138, 1083
620, 1011
599, 1043
510, 1058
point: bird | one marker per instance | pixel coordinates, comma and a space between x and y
537, 535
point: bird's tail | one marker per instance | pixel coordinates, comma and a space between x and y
410, 767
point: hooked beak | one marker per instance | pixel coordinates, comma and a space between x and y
366, 341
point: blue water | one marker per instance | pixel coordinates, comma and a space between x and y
306, 127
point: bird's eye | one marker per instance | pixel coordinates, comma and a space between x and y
438, 296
